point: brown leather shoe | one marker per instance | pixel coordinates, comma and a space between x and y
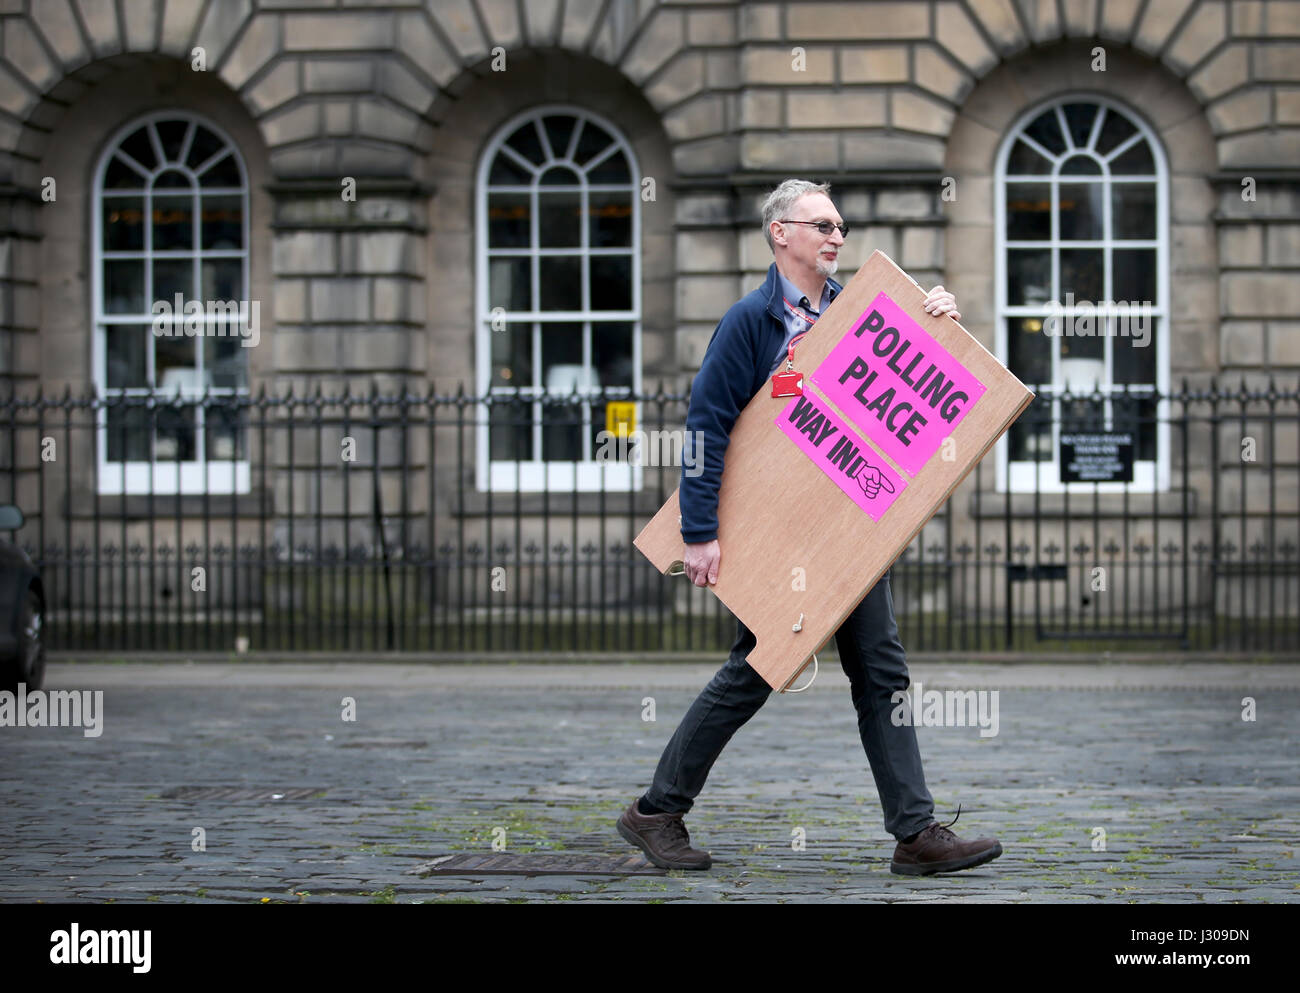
936, 849
663, 838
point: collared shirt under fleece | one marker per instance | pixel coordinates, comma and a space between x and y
747, 345
794, 300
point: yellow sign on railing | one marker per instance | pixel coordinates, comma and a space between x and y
620, 418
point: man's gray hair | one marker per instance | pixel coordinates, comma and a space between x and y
780, 200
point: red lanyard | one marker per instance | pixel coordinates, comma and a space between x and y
789, 354
798, 312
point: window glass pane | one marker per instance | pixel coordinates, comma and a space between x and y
509, 284
223, 279
1025, 160
1029, 276
561, 282
172, 180
1029, 211
225, 361
510, 429
1029, 356
1133, 210
124, 355
224, 421
138, 146
1114, 129
559, 176
1030, 437
1136, 413
558, 219
1047, 132
1137, 161
175, 440
1133, 274
507, 172
128, 433
120, 176
508, 220
124, 288
1081, 165
1081, 274
173, 223
593, 140
123, 222
1133, 349
612, 170
562, 369
1081, 211
559, 129
1083, 352
512, 355
224, 173
526, 143
172, 136
611, 352
172, 276
611, 282
222, 222
611, 220
562, 374
1079, 118
1029, 350
175, 359
203, 147
562, 430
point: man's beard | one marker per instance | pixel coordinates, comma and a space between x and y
825, 268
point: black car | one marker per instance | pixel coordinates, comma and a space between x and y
22, 610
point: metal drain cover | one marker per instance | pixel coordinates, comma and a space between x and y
258, 793
550, 864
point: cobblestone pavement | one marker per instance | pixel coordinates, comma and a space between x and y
1196, 804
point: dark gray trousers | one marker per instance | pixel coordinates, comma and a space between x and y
872, 658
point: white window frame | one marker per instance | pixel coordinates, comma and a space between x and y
535, 475
1044, 477
219, 476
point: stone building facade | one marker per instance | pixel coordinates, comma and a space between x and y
909, 108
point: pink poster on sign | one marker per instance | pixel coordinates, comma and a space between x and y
841, 454
900, 387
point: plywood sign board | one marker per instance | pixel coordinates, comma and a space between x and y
822, 492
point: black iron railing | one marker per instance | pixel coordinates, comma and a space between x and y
377, 523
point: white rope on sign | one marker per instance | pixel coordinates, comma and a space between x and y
811, 681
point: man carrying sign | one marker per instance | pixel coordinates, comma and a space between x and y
805, 232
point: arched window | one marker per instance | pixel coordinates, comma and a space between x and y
171, 308
1083, 290
558, 299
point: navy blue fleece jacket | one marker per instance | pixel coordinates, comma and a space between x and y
735, 368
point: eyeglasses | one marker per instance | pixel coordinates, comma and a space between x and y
823, 227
